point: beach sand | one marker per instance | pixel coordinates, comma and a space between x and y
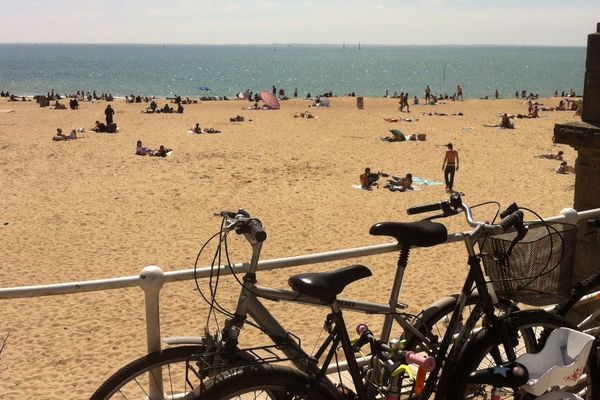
89, 209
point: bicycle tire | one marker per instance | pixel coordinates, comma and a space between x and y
530, 328
270, 381
585, 316
132, 380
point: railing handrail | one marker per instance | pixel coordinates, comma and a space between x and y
566, 215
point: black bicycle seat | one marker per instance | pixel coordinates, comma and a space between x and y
420, 233
327, 285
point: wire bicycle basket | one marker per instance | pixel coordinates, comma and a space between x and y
539, 269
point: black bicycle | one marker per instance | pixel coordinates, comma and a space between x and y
469, 362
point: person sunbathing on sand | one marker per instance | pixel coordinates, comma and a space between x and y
140, 150
368, 179
255, 106
400, 184
563, 168
504, 123
399, 137
552, 156
61, 136
100, 127
59, 106
237, 118
534, 113
196, 128
161, 152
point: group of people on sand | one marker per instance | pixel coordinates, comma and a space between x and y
304, 114
369, 179
140, 150
450, 165
563, 168
60, 136
153, 108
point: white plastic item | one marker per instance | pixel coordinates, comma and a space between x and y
560, 363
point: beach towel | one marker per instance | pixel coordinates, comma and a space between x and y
6, 111
359, 187
425, 182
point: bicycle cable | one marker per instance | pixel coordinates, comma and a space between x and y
212, 303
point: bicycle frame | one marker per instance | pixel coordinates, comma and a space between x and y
249, 304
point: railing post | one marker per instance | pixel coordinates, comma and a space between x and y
152, 279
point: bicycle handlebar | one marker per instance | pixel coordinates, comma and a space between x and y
512, 217
427, 208
244, 224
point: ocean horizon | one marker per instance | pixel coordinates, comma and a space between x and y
369, 70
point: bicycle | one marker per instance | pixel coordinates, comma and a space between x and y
208, 357
458, 352
154, 373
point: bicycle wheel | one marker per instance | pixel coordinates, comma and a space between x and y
529, 330
173, 371
261, 382
584, 314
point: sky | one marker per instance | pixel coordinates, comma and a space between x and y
396, 22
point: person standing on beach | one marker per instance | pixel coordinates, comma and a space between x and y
459, 93
450, 166
295, 92
109, 112
427, 94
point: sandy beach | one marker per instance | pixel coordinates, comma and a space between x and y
90, 209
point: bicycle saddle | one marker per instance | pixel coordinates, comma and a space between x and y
420, 233
326, 285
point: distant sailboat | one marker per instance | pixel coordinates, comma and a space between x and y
343, 45
359, 45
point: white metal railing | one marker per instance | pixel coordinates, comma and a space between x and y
151, 279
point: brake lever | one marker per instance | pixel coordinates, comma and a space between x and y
521, 233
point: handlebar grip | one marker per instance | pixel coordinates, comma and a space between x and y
256, 230
509, 210
428, 363
425, 208
513, 219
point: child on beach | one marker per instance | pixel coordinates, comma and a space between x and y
563, 168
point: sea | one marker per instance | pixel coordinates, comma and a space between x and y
225, 70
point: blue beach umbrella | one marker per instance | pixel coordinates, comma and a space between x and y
205, 88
